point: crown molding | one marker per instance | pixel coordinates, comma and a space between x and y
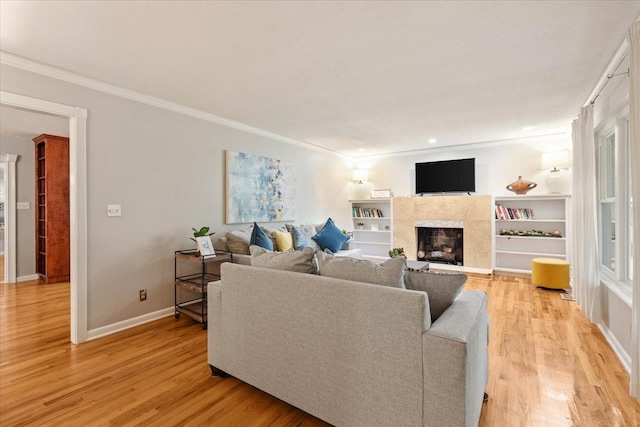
26, 64
467, 146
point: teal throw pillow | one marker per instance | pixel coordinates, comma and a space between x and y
259, 238
330, 237
300, 241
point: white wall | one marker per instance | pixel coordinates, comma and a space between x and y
496, 166
25, 187
167, 172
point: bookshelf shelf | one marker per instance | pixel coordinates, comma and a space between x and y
375, 236
513, 253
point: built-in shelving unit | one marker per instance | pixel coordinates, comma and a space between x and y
52, 208
548, 214
374, 236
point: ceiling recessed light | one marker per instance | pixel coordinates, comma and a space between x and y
528, 128
432, 141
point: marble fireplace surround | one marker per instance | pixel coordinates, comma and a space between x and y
474, 212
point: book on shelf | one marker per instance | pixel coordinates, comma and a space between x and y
359, 212
507, 213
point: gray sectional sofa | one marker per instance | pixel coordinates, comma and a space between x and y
350, 353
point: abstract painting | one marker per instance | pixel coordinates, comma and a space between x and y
260, 189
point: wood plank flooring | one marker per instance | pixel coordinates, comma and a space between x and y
549, 367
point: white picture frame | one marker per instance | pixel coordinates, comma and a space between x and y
381, 194
375, 227
205, 246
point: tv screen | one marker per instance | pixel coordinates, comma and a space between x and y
449, 176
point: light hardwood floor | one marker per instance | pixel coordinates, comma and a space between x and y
549, 367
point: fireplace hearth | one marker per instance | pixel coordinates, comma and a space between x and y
440, 245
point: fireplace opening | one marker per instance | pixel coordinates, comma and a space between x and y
440, 245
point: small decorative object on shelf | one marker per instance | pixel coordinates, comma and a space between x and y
360, 225
397, 252
533, 233
521, 186
204, 245
380, 194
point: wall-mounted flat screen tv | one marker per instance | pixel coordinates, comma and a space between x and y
448, 176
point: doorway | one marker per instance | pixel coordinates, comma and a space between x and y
76, 117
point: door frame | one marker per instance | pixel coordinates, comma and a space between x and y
78, 201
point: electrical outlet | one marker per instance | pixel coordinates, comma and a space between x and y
143, 294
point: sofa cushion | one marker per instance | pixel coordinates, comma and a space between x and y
238, 241
300, 240
260, 238
299, 261
442, 288
308, 230
389, 273
284, 240
330, 237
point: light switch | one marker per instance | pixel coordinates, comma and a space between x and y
114, 210
23, 205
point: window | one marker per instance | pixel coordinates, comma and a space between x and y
615, 204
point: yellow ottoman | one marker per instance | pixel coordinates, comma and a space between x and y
550, 273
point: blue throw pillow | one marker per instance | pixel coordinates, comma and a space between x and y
259, 238
330, 237
300, 241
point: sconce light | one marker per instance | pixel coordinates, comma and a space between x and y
555, 161
360, 188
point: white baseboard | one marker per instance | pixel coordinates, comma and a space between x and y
27, 278
625, 359
129, 323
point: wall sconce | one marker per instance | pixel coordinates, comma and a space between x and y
360, 190
555, 161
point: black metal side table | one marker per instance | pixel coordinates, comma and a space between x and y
190, 290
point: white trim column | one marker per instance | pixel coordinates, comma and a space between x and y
9, 162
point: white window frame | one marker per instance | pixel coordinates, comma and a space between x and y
616, 279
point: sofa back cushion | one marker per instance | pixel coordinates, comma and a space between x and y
299, 261
238, 241
389, 273
441, 288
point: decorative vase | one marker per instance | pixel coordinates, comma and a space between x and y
521, 186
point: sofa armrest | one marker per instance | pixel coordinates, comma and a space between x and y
456, 361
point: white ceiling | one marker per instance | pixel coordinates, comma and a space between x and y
381, 76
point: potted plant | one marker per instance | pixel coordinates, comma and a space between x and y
360, 225
397, 252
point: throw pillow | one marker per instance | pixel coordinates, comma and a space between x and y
300, 241
308, 231
442, 288
389, 273
299, 261
330, 237
259, 238
238, 241
284, 241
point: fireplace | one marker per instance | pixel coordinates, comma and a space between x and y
440, 245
